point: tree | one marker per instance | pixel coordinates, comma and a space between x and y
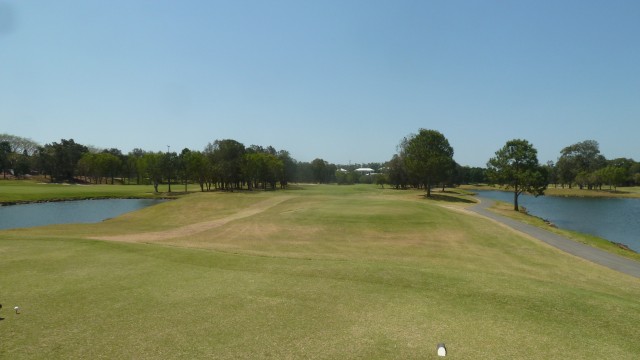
196, 166
516, 166
319, 168
579, 161
428, 157
153, 166
60, 159
397, 172
20, 145
289, 168
227, 156
22, 164
5, 151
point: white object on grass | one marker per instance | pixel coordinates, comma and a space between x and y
442, 351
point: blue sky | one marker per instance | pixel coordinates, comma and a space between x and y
341, 80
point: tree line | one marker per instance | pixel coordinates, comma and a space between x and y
424, 160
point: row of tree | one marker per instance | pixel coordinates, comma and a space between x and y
582, 165
223, 164
424, 160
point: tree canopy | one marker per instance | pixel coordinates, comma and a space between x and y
428, 157
516, 166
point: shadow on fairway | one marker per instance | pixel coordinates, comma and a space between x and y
448, 198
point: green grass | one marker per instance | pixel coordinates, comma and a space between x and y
332, 272
12, 191
620, 192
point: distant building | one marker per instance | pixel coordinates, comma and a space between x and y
364, 171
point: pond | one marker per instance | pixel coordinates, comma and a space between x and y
614, 219
67, 212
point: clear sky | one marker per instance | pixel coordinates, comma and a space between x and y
341, 80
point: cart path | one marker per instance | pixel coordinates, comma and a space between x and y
586, 252
197, 227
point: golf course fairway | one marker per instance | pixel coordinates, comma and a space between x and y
314, 272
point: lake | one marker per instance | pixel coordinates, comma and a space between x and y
614, 219
67, 212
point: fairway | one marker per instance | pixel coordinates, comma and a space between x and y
315, 272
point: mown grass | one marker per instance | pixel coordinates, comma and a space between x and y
605, 192
332, 272
18, 191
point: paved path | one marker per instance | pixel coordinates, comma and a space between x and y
592, 254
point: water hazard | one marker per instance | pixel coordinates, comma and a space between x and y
68, 212
616, 219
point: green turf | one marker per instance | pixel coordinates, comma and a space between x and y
28, 191
332, 272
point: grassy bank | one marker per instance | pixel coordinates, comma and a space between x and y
620, 192
20, 191
506, 209
319, 272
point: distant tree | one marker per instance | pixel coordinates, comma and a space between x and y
262, 169
153, 166
227, 156
196, 167
289, 167
552, 175
60, 159
319, 168
111, 163
21, 164
20, 145
397, 175
582, 159
613, 176
380, 179
169, 165
304, 172
5, 152
428, 157
516, 166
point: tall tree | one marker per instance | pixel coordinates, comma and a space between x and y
20, 145
227, 156
5, 152
516, 166
320, 172
60, 159
579, 161
397, 172
428, 157
289, 168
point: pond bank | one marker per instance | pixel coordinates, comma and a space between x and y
586, 252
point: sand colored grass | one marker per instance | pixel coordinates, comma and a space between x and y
322, 272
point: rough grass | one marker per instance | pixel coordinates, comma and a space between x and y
332, 272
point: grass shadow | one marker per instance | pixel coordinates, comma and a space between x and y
449, 196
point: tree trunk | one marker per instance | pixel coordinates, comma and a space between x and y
515, 199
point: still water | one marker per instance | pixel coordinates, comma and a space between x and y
67, 212
616, 220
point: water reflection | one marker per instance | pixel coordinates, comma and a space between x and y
67, 212
614, 219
